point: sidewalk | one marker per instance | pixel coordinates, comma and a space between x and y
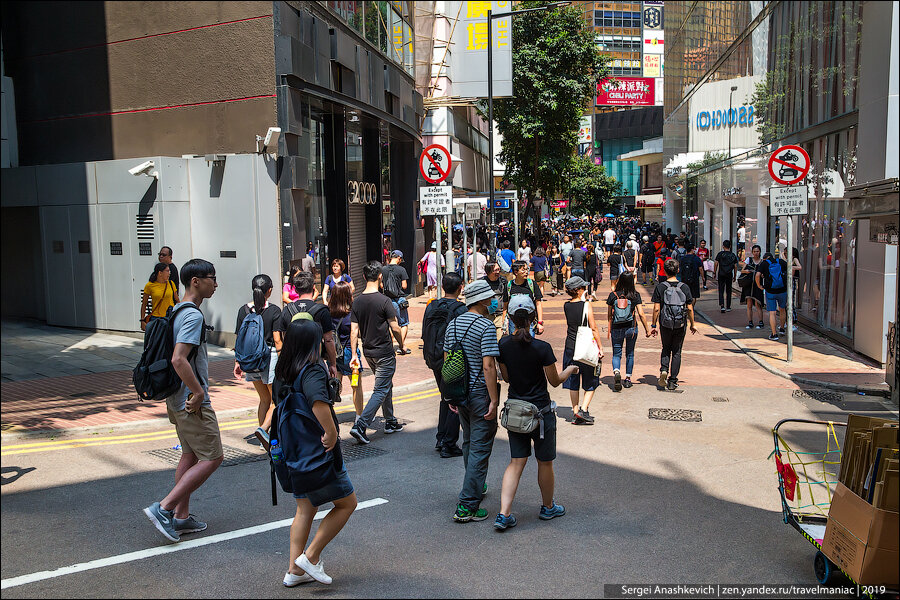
59, 379
816, 359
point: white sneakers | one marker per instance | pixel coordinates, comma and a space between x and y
316, 571
291, 580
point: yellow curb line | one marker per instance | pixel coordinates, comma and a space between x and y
160, 435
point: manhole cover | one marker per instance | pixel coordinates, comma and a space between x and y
820, 395
675, 414
233, 456
358, 451
720, 399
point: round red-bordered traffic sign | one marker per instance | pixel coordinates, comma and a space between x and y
435, 163
789, 165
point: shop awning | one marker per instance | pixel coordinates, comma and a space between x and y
872, 199
680, 161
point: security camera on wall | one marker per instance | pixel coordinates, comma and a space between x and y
144, 169
269, 141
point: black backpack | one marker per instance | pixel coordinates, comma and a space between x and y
434, 328
393, 286
674, 311
154, 376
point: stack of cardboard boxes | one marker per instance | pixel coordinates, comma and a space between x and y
862, 532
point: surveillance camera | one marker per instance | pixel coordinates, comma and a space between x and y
272, 136
142, 169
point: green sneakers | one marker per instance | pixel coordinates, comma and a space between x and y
464, 515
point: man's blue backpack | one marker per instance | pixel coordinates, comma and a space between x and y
305, 465
776, 275
250, 349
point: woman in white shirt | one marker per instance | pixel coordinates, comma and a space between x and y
524, 252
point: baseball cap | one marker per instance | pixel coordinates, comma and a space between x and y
632, 237
397, 254
477, 291
520, 302
575, 282
646, 239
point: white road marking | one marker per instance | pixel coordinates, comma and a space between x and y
159, 550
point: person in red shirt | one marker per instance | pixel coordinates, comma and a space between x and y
703, 254
659, 244
660, 261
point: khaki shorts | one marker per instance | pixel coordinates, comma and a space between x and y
540, 276
198, 432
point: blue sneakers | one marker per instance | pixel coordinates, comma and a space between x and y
554, 511
502, 523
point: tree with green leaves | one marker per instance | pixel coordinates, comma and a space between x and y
556, 67
589, 189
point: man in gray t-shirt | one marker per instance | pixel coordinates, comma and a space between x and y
189, 408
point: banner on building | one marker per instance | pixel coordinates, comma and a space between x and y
584, 131
653, 65
654, 42
653, 15
469, 48
626, 91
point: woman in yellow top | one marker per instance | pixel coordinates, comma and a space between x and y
160, 292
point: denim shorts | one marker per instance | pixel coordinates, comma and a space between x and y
402, 314
268, 376
343, 362
776, 301
339, 488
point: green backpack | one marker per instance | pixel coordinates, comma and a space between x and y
455, 371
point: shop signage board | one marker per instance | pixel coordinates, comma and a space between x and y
584, 131
435, 200
559, 204
630, 91
435, 163
654, 42
787, 201
653, 65
653, 15
789, 165
469, 47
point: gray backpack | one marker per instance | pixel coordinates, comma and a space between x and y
623, 311
673, 307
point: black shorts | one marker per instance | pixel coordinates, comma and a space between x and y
544, 449
741, 245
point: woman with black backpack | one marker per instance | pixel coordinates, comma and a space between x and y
301, 377
624, 305
262, 380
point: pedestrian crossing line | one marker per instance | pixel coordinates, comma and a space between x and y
137, 438
167, 549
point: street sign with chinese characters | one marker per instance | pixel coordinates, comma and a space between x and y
473, 211
435, 200
787, 201
469, 45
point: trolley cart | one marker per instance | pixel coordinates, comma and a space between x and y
806, 481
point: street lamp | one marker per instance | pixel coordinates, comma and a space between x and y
728, 119
490, 77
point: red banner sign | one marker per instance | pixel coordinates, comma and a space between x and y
631, 91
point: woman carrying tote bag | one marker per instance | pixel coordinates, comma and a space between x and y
579, 314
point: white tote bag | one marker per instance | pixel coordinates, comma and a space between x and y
586, 350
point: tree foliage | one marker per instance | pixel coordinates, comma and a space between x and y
556, 67
589, 189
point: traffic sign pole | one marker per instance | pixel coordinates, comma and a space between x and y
437, 256
790, 289
465, 250
516, 231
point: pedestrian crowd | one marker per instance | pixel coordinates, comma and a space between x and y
484, 330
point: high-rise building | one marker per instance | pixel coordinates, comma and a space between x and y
744, 79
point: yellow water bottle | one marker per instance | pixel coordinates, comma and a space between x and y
354, 378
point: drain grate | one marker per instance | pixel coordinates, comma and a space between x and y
720, 399
233, 456
820, 395
675, 414
352, 452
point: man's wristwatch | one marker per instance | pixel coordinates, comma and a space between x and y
653, 326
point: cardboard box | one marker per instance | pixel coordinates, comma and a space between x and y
862, 539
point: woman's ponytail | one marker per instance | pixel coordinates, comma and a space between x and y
261, 286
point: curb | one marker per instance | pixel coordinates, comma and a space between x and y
841, 387
11, 436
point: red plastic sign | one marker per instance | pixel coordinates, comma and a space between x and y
789, 165
435, 163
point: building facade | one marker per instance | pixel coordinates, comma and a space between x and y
745, 78
193, 88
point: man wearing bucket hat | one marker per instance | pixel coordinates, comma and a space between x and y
478, 414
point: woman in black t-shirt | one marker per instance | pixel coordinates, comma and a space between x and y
301, 366
590, 270
615, 265
586, 378
262, 381
339, 304
535, 366
624, 299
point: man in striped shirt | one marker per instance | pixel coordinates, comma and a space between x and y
478, 415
